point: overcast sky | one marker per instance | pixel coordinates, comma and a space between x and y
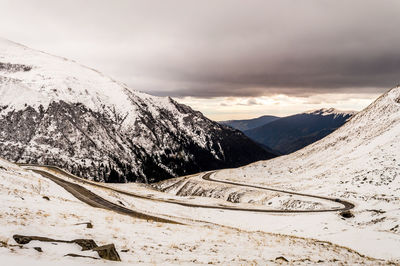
229, 59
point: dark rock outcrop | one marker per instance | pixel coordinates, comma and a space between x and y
38, 249
347, 214
108, 252
91, 144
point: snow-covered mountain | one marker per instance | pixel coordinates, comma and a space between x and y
364, 152
359, 162
330, 111
56, 111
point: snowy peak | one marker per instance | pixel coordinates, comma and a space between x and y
32, 78
378, 115
330, 111
387, 104
35, 78
368, 127
56, 111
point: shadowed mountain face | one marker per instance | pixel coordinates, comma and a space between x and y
289, 134
55, 111
248, 124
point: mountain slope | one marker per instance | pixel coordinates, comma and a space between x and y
359, 162
55, 111
292, 133
248, 124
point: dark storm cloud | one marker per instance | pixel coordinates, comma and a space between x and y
221, 48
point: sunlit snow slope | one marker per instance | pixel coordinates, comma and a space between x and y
361, 157
359, 162
56, 111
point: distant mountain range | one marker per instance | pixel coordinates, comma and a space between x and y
288, 134
56, 111
248, 124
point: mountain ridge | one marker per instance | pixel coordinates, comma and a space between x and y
247, 124
55, 111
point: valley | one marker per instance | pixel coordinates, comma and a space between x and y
92, 170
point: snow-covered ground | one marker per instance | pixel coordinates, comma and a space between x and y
26, 212
246, 196
360, 162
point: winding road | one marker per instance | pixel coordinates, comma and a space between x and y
346, 205
94, 200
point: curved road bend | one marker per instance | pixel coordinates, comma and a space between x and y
346, 205
94, 200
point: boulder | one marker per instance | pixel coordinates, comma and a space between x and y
22, 239
347, 214
108, 252
281, 259
38, 249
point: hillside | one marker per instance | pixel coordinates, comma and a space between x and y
56, 111
359, 162
35, 206
291, 133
